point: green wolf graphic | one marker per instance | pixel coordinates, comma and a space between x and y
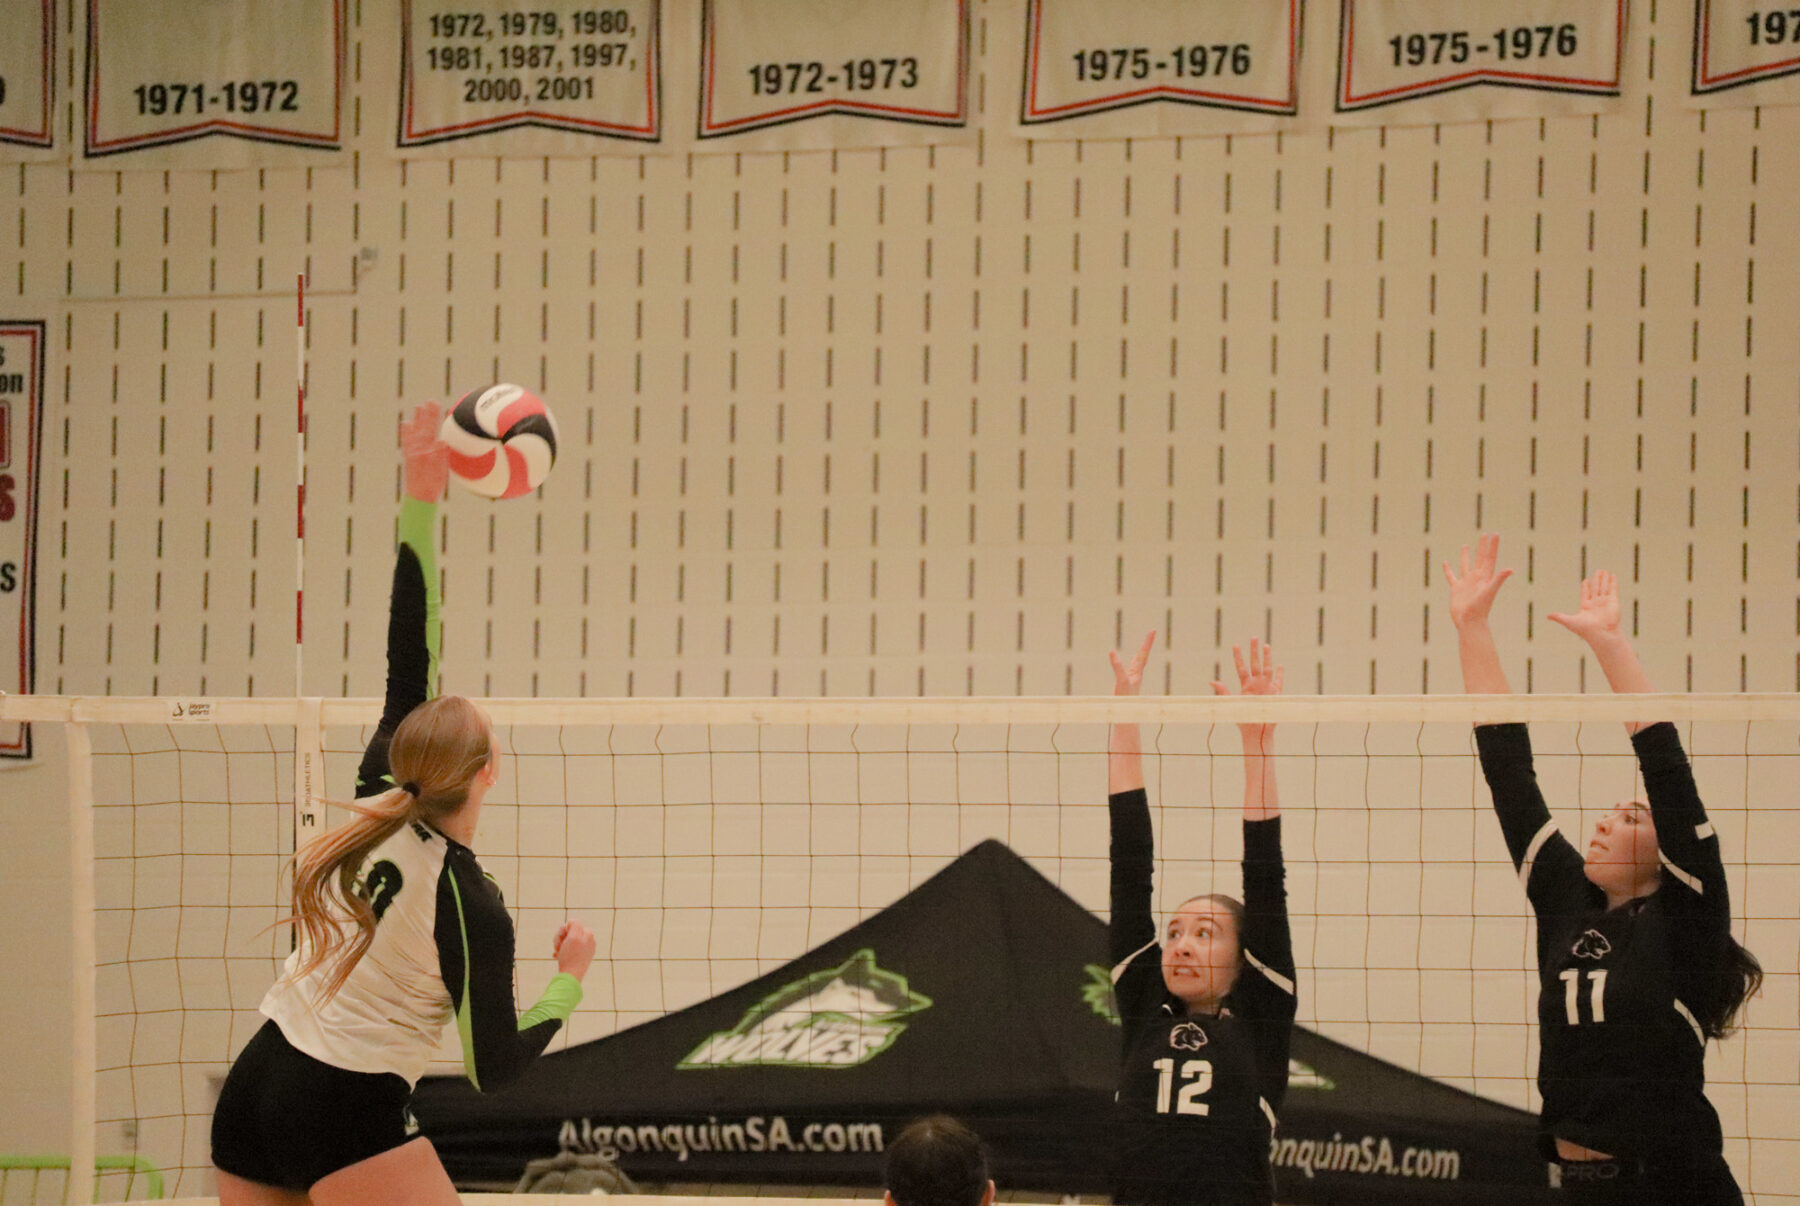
838, 1018
1098, 993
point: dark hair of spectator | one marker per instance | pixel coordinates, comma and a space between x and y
937, 1161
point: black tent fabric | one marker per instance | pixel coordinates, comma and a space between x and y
983, 993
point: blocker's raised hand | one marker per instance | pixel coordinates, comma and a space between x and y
423, 451
1599, 614
1472, 592
1128, 678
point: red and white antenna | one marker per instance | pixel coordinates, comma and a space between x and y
299, 481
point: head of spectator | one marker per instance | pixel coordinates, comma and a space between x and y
937, 1161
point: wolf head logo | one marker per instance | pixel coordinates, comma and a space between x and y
1187, 1037
837, 1018
1591, 945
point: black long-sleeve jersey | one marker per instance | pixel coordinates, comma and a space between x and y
1198, 1093
1621, 1064
443, 939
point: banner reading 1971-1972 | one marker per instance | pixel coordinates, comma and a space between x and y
818, 74
1142, 68
1411, 62
542, 71
252, 82
1746, 52
27, 74
21, 429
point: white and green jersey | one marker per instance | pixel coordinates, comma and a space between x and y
443, 943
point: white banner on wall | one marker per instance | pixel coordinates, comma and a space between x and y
822, 74
1148, 68
27, 80
537, 73
1746, 53
1415, 62
260, 81
21, 430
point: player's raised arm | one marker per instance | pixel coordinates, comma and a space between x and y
1257, 675
1132, 927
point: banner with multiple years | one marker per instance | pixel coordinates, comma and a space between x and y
27, 75
261, 82
817, 74
21, 430
559, 80
1746, 53
1417, 62
255, 83
1138, 68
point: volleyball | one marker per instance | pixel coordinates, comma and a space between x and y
502, 441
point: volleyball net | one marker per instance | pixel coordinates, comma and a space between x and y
707, 842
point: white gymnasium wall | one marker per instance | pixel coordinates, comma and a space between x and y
953, 421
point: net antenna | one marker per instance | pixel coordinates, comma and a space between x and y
307, 737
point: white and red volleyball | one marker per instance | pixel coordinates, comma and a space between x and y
502, 441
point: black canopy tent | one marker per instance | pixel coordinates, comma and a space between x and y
982, 993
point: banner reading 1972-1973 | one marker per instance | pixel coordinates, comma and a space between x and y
1746, 52
822, 74
252, 82
1422, 61
1146, 68
21, 428
27, 76
522, 76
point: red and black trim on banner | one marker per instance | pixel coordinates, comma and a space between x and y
19, 477
711, 127
1708, 80
45, 136
97, 146
1032, 113
1349, 100
411, 135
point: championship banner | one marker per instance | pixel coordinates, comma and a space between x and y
1746, 53
1158, 68
21, 431
825, 74
1415, 62
27, 80
546, 80
261, 81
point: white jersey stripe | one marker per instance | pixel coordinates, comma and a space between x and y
1267, 1112
1274, 977
1691, 881
1531, 852
1704, 830
1688, 1016
1126, 961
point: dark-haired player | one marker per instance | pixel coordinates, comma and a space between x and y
1636, 963
1208, 1004
937, 1161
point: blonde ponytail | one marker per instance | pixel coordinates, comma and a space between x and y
435, 753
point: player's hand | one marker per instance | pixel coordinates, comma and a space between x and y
426, 457
1128, 678
1598, 618
574, 949
1472, 592
1259, 674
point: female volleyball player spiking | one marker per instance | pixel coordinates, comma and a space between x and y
399, 931
1636, 963
1208, 1010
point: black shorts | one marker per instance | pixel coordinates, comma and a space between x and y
286, 1119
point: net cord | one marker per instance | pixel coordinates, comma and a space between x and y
976, 710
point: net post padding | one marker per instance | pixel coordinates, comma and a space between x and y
83, 1053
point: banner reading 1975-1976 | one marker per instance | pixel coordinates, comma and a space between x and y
1424, 61
1746, 52
539, 70
253, 81
21, 426
1142, 68
818, 74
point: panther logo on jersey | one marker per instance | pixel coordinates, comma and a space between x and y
1187, 1037
380, 886
1591, 945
